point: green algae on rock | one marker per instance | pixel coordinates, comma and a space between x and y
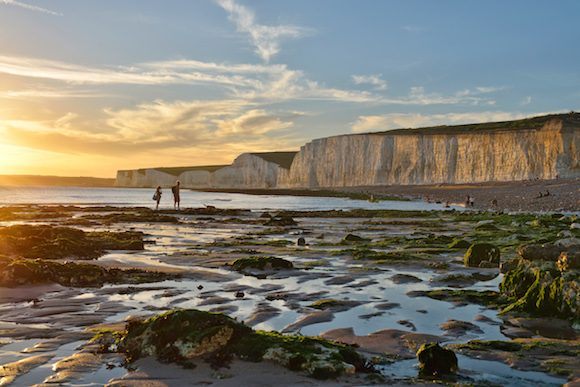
539, 288
261, 263
21, 271
183, 336
48, 242
482, 255
435, 360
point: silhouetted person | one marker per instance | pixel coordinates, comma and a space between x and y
176, 195
471, 201
467, 201
157, 197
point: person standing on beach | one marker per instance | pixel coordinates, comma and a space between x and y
176, 196
157, 197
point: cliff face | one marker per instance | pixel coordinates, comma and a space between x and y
440, 156
249, 170
537, 148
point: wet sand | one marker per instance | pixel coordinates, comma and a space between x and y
510, 196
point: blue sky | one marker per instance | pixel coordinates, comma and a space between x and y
88, 87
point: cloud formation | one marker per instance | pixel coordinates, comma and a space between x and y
29, 7
374, 80
266, 39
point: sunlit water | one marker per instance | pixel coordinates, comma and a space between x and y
143, 197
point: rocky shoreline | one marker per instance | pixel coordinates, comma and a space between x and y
121, 296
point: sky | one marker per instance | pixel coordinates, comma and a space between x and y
90, 87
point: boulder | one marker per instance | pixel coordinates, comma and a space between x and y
354, 238
535, 252
482, 255
435, 360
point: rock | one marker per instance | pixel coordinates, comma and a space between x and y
540, 289
568, 261
575, 226
534, 252
260, 263
301, 242
265, 215
567, 242
199, 287
405, 279
240, 294
408, 324
459, 328
482, 252
183, 336
281, 221
335, 305
354, 238
435, 360
388, 305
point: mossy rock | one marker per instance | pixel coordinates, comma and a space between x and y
48, 242
352, 238
21, 271
482, 253
183, 336
261, 263
435, 360
540, 289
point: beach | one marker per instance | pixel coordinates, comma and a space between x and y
385, 280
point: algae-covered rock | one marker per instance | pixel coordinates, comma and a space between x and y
541, 289
482, 253
48, 242
261, 263
435, 360
352, 238
21, 271
183, 336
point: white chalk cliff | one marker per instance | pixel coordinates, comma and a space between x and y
543, 147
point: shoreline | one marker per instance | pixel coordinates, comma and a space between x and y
521, 196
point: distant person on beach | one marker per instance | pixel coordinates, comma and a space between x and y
471, 201
157, 197
176, 196
467, 201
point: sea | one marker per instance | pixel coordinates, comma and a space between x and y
142, 197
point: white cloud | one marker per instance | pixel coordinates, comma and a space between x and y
416, 120
374, 80
266, 39
526, 101
29, 7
